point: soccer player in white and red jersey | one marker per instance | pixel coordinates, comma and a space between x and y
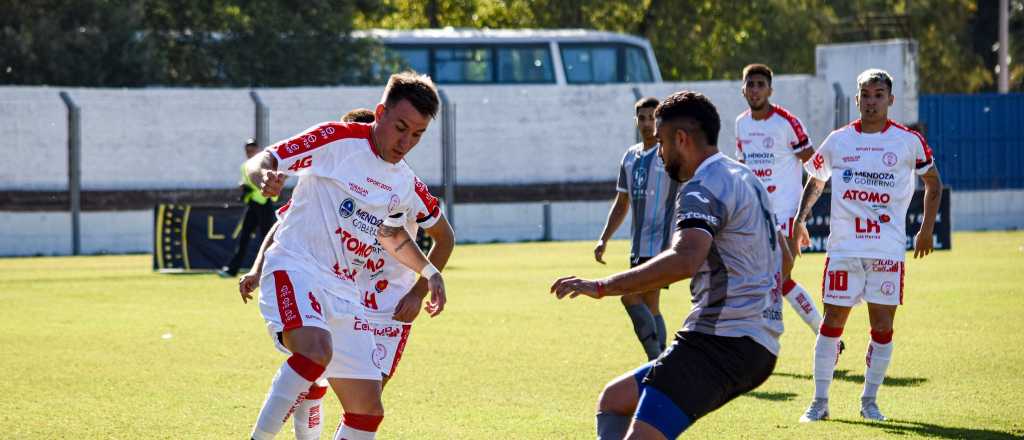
350, 206
772, 142
874, 161
397, 303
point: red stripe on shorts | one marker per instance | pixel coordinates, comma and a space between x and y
406, 328
286, 305
901, 282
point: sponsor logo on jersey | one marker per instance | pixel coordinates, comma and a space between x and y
358, 189
381, 286
378, 184
761, 172
393, 203
346, 208
700, 216
771, 188
890, 159
866, 196
759, 158
384, 330
891, 266
369, 218
353, 245
867, 228
870, 178
818, 161
851, 159
698, 196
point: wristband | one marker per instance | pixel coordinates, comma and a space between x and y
428, 271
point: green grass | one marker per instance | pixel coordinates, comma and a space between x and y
83, 352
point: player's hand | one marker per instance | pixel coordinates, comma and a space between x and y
408, 307
923, 244
247, 283
599, 251
802, 237
435, 306
572, 287
273, 183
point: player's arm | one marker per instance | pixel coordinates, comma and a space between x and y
262, 172
397, 242
805, 155
248, 282
689, 249
812, 192
923, 242
444, 244
616, 215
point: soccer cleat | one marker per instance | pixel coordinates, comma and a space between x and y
817, 411
869, 409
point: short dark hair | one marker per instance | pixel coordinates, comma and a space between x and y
645, 102
251, 143
691, 105
362, 115
758, 69
874, 75
416, 88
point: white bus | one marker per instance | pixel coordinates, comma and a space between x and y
520, 56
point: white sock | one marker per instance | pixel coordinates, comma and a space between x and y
358, 427
292, 379
802, 302
877, 361
826, 354
307, 418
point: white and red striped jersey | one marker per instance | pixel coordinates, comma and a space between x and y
875, 182
344, 194
768, 147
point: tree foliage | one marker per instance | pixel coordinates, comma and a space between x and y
278, 43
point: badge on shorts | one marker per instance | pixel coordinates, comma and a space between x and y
888, 288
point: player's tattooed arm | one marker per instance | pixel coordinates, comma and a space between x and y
923, 242
812, 191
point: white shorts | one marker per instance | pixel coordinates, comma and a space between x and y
785, 220
847, 281
285, 307
389, 338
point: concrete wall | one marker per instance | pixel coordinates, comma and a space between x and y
843, 62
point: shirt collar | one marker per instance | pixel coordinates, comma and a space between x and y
714, 158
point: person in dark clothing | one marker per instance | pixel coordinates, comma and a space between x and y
259, 214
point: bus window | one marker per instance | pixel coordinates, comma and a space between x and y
590, 64
415, 59
462, 65
525, 65
637, 69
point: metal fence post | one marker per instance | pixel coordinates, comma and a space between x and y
842, 107
74, 170
262, 120
547, 221
637, 95
448, 154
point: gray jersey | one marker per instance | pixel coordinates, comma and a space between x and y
652, 198
736, 291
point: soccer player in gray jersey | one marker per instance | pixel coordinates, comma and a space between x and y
645, 189
726, 239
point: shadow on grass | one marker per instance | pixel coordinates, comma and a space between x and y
775, 397
904, 427
844, 375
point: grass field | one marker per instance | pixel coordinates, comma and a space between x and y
102, 348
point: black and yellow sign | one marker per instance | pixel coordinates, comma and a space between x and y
198, 237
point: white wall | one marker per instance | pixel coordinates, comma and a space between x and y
49, 233
843, 62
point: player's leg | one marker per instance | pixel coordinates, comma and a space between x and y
362, 408
798, 298
842, 288
698, 374
355, 378
653, 300
304, 333
308, 417
617, 402
250, 222
644, 325
885, 293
